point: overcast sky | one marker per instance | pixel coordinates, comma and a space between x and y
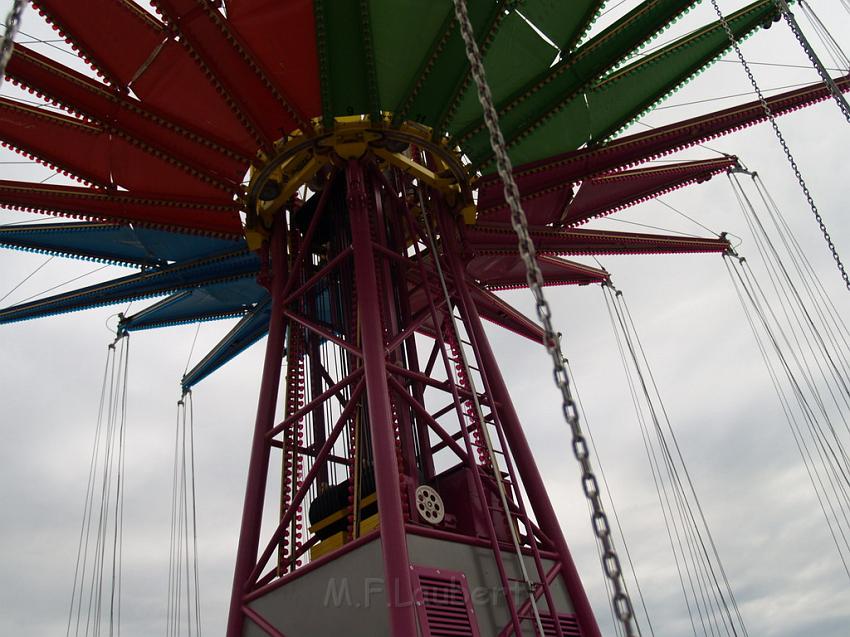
761, 508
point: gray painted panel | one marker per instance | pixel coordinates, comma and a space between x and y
346, 596
482, 576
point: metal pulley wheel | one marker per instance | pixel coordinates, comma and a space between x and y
430, 505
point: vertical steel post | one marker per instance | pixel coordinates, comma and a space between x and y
520, 449
255, 490
397, 580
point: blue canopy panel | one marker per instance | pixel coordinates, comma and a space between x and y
253, 327
118, 244
231, 299
221, 268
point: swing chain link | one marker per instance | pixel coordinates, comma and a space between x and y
12, 24
813, 58
610, 560
779, 136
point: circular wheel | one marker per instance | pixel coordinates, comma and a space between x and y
430, 505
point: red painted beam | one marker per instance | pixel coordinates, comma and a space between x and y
497, 311
283, 39
262, 106
196, 152
115, 37
610, 192
498, 239
544, 177
149, 210
503, 272
129, 48
63, 143
87, 152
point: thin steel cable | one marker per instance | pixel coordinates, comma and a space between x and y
687, 475
680, 525
760, 301
839, 57
796, 431
779, 136
600, 523
55, 287
780, 65
646, 225
813, 278
837, 95
781, 278
82, 544
692, 564
118, 538
656, 477
169, 630
34, 39
682, 214
613, 507
809, 283
25, 279
730, 95
806, 411
192, 348
106, 489
800, 360
194, 516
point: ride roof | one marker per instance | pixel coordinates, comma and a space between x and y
187, 100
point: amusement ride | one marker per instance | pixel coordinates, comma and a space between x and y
362, 186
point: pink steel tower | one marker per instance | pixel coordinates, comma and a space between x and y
410, 500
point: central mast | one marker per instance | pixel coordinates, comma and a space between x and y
404, 465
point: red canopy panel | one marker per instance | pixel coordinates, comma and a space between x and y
541, 209
115, 36
88, 152
246, 85
176, 85
194, 151
283, 37
63, 143
500, 239
611, 192
200, 216
136, 168
504, 272
538, 178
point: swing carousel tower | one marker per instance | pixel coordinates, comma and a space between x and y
368, 243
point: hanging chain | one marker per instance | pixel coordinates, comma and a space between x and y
813, 58
13, 23
601, 527
781, 138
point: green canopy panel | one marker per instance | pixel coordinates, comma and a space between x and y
541, 97
443, 72
405, 32
565, 23
516, 53
624, 95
